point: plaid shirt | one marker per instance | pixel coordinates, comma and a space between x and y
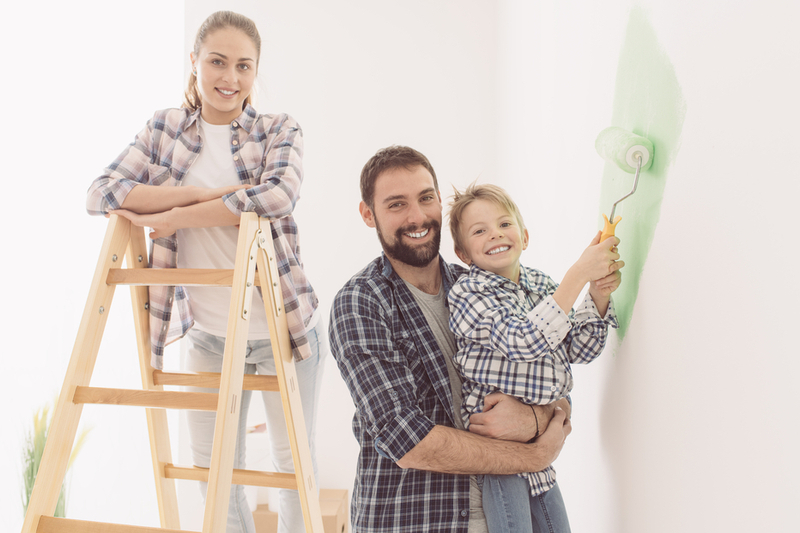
267, 153
515, 338
398, 379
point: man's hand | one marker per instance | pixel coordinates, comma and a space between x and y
552, 440
159, 222
545, 413
504, 417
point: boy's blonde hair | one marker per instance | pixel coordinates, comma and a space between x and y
473, 192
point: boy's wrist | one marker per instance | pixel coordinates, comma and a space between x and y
575, 279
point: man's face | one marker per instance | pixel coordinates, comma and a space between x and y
407, 214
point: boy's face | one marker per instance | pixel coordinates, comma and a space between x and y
492, 239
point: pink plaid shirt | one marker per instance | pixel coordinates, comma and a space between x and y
267, 154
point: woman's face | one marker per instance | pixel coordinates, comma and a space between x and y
226, 70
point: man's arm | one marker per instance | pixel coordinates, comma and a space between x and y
454, 451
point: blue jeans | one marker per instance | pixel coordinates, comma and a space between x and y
510, 508
205, 355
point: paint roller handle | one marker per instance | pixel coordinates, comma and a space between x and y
609, 227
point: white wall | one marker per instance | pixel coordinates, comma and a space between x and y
77, 86
690, 424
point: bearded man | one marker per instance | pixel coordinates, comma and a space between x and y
418, 469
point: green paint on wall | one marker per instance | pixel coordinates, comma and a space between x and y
647, 101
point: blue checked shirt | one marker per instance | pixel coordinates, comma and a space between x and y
267, 152
398, 379
514, 338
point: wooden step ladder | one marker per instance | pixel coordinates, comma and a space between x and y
254, 249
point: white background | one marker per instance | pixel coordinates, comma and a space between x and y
689, 425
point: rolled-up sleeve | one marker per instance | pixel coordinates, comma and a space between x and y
588, 336
129, 169
375, 368
278, 187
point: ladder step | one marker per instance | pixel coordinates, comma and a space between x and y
196, 277
240, 477
198, 401
211, 380
48, 524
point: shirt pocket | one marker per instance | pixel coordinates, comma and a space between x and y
251, 155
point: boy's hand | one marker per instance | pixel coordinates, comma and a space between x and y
599, 260
603, 287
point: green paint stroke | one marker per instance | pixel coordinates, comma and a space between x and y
647, 101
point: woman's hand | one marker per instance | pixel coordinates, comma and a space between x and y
206, 194
158, 222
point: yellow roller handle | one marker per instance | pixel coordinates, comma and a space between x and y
609, 227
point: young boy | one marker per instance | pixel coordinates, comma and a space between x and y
516, 333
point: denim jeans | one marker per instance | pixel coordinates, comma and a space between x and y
510, 508
204, 354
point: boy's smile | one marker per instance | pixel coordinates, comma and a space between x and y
493, 239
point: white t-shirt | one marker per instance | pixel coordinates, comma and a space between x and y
215, 247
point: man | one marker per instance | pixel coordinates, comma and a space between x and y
390, 336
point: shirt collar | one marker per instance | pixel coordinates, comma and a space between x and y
246, 119
529, 279
448, 276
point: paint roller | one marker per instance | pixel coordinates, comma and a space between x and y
630, 152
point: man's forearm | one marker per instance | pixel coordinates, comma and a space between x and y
454, 451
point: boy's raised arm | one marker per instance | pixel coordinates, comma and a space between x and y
597, 262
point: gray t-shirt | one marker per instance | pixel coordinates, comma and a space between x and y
434, 307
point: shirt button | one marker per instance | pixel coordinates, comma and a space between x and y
235, 124
464, 513
236, 158
553, 388
235, 142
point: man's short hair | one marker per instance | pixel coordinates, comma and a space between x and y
387, 159
491, 193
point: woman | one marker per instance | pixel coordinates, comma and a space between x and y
189, 175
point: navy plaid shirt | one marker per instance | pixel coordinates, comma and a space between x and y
514, 338
398, 379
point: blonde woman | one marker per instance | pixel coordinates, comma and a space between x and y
189, 175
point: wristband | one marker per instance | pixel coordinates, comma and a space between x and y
537, 424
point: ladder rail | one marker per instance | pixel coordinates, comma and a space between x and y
289, 385
230, 391
254, 248
157, 425
66, 416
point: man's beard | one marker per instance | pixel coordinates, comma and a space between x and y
416, 256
